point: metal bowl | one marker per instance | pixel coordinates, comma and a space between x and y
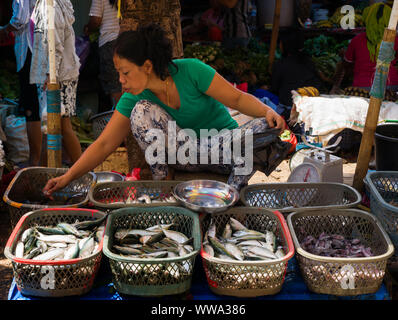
206, 195
106, 176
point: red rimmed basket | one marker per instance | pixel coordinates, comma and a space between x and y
247, 278
58, 278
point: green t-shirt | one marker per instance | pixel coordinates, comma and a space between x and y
197, 110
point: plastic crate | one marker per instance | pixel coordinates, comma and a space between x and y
247, 278
341, 276
289, 197
28, 183
152, 277
109, 196
100, 121
383, 187
71, 277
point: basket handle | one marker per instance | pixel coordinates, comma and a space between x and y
286, 231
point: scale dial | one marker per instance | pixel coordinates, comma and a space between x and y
305, 172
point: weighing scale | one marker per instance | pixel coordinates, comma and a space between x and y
316, 164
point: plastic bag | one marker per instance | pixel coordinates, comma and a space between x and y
17, 143
82, 45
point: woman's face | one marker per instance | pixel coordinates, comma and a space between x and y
133, 78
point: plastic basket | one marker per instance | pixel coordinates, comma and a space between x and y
247, 278
289, 197
152, 277
71, 277
100, 121
341, 276
28, 183
383, 187
109, 196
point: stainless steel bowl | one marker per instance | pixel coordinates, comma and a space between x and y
106, 176
206, 195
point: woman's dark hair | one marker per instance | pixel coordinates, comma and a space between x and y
148, 42
113, 3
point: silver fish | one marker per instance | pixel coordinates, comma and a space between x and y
72, 252
236, 225
227, 233
271, 239
57, 244
263, 252
148, 239
211, 232
127, 250
144, 199
50, 255
158, 228
19, 249
86, 247
25, 235
50, 230
175, 235
57, 238
280, 253
234, 251
68, 229
209, 249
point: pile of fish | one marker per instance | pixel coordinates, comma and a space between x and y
157, 241
240, 243
61, 242
335, 245
145, 198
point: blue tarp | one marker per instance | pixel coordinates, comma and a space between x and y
293, 288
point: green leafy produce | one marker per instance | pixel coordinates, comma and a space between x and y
323, 45
9, 82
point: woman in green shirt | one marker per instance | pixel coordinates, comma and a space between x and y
165, 98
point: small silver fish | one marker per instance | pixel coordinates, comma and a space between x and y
236, 225
144, 199
227, 233
19, 249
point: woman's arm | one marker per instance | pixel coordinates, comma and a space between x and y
111, 138
221, 90
93, 24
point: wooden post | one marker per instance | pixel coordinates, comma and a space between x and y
373, 112
275, 32
54, 136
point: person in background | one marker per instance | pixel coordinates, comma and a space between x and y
236, 31
185, 93
363, 50
103, 15
295, 70
21, 25
67, 66
164, 13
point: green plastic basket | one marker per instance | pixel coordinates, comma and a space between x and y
383, 187
152, 277
109, 196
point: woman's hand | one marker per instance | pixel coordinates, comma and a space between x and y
274, 119
55, 184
